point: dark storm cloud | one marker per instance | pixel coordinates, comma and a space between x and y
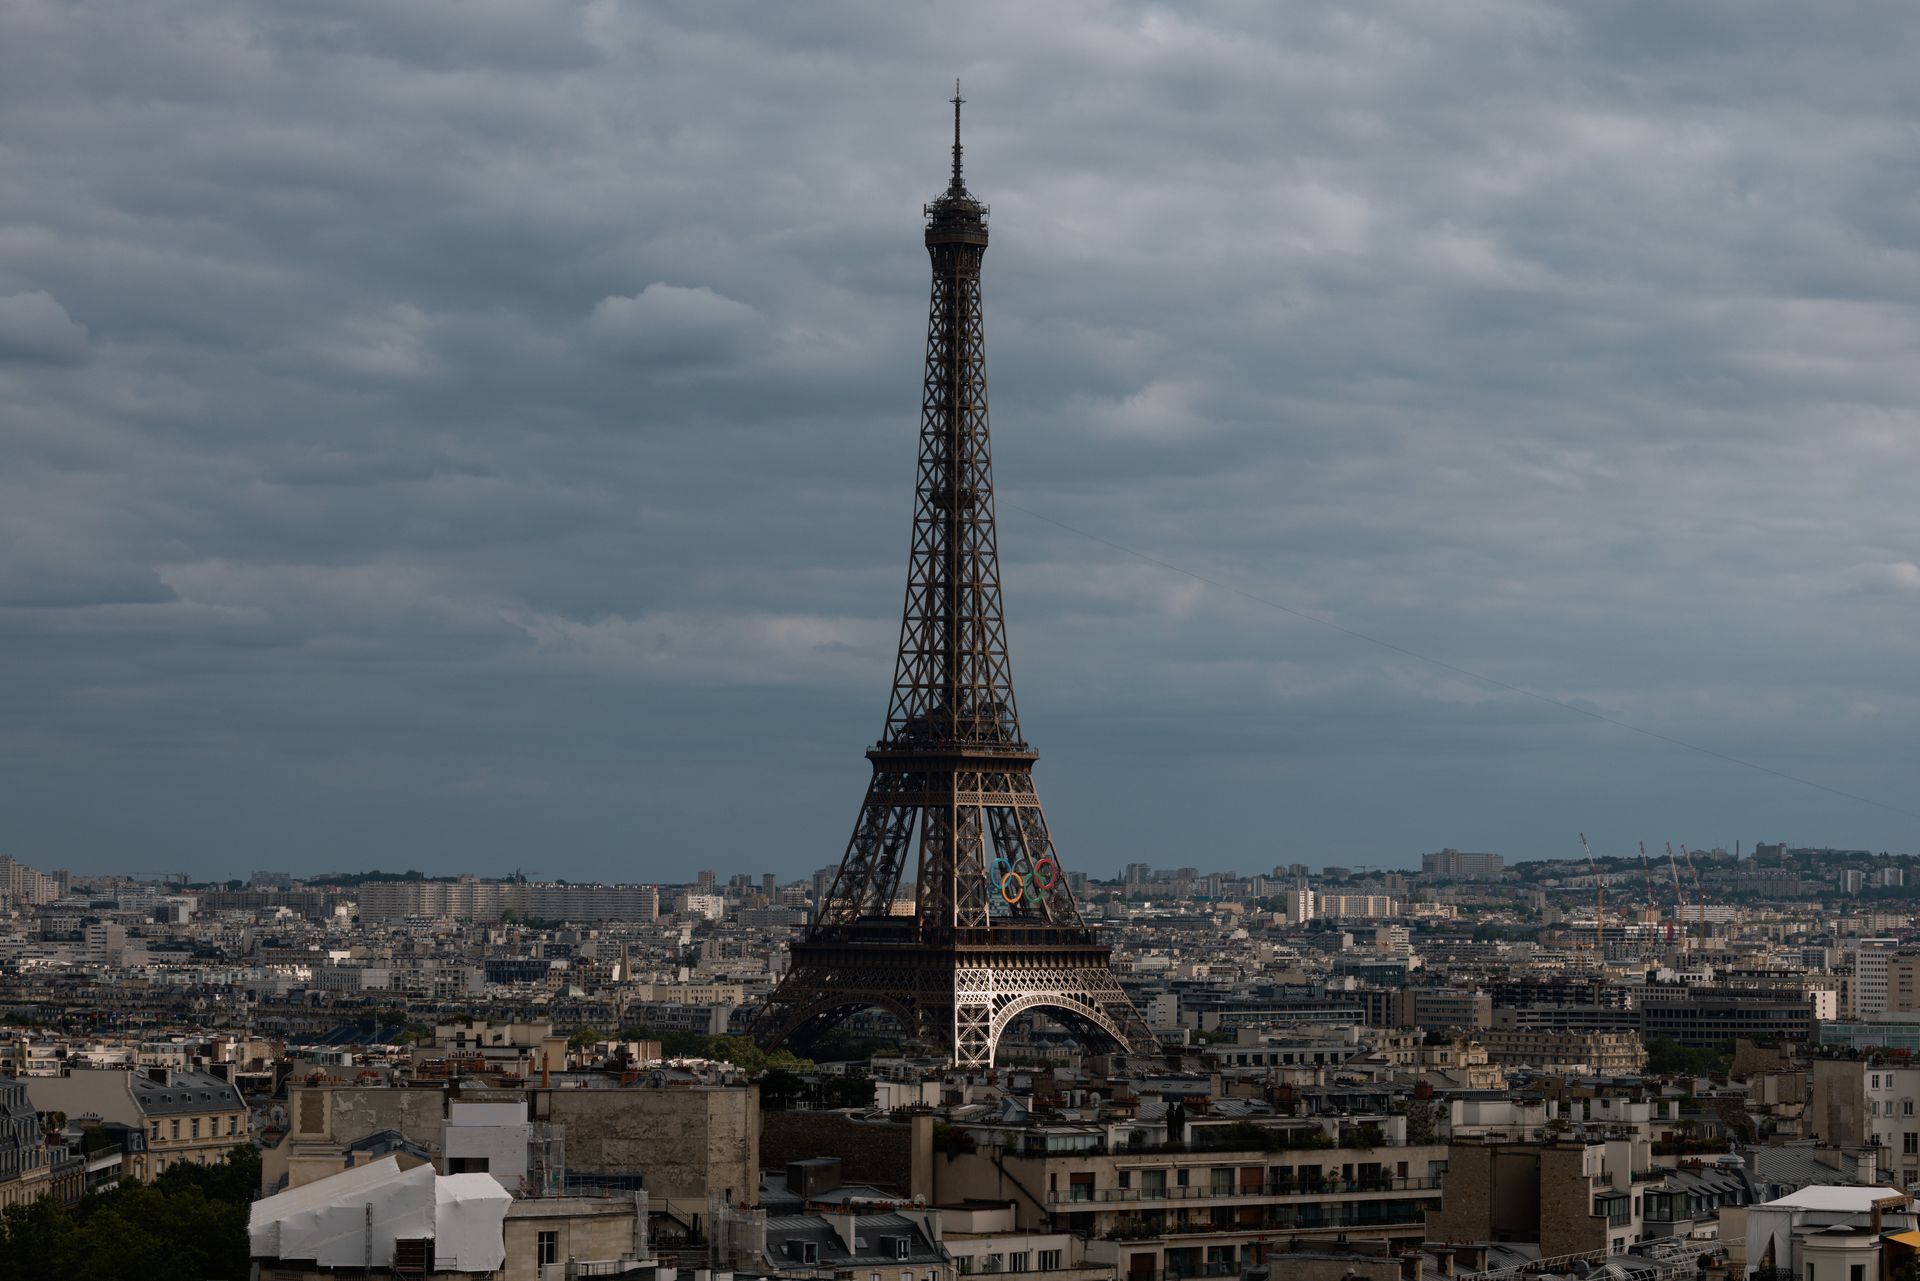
477, 435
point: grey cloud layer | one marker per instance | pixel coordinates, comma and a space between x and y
478, 434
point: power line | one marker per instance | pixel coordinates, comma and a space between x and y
1457, 670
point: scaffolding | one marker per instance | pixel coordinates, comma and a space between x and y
736, 1235
546, 1159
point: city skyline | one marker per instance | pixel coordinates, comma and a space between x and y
487, 442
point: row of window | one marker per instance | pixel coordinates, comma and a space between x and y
212, 1128
1018, 1261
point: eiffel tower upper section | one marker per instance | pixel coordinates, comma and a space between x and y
952, 684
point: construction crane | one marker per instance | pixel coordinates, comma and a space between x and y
1653, 908
1699, 895
1599, 904
1679, 899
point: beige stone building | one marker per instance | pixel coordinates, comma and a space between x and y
544, 1232
691, 1142
1566, 1052
184, 1114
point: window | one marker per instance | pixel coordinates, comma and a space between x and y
233, 1125
1020, 1261
1858, 1272
1180, 1177
176, 1127
1126, 1178
155, 1136
196, 1127
1050, 1260
1910, 1142
1906, 1107
549, 1248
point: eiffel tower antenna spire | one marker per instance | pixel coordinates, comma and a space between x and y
951, 808
956, 100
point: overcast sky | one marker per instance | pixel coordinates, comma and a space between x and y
477, 434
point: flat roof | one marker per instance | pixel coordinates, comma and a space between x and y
1847, 1198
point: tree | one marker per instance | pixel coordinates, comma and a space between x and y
1666, 1056
190, 1224
1423, 1121
583, 1037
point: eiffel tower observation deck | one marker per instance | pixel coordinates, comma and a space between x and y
995, 932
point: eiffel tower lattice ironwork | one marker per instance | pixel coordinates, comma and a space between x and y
995, 931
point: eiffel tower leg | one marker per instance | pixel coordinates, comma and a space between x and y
819, 992
974, 1035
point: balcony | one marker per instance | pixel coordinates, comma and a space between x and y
1334, 1218
1084, 1196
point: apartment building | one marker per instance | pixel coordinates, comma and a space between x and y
1869, 1103
1872, 966
1197, 1209
1460, 865
1356, 907
30, 1167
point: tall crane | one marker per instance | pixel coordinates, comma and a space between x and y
1699, 895
1679, 898
1599, 904
1653, 908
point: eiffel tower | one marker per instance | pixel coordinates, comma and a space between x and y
995, 932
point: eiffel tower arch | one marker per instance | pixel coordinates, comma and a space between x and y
995, 932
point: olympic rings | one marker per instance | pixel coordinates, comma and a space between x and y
1032, 886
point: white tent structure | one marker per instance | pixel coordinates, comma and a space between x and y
353, 1219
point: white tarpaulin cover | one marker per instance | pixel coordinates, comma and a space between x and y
352, 1219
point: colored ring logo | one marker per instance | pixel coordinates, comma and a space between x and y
1016, 885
